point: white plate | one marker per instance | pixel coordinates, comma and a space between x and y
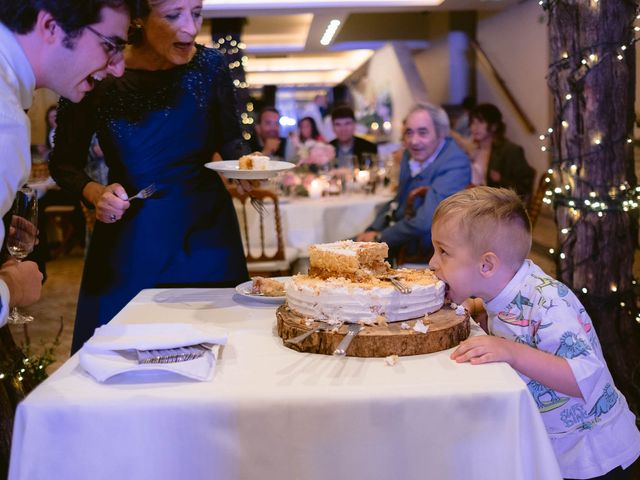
231, 169
244, 289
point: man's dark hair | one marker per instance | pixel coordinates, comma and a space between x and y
342, 111
20, 16
266, 109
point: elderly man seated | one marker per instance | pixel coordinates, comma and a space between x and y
431, 159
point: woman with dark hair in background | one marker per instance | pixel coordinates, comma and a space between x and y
51, 124
308, 130
157, 124
495, 161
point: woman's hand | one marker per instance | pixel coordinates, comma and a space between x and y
110, 201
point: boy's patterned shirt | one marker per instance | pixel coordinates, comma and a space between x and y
538, 310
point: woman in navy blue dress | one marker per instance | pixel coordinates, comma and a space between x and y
158, 123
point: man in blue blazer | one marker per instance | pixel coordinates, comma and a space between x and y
432, 159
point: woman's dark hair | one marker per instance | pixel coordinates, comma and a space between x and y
48, 125
20, 16
489, 113
315, 133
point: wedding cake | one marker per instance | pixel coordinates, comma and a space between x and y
349, 282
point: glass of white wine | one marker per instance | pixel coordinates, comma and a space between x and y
22, 235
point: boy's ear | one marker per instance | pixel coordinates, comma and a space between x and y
489, 263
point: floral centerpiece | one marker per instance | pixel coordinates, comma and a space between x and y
317, 155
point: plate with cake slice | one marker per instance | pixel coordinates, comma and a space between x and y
267, 290
250, 167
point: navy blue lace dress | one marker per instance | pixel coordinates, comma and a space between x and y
156, 127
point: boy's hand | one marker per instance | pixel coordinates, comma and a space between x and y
483, 349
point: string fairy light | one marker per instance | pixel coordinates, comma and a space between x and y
566, 180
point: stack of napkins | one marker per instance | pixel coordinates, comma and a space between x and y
113, 349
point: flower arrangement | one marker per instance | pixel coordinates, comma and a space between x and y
316, 153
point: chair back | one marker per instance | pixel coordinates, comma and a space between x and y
264, 242
535, 204
410, 211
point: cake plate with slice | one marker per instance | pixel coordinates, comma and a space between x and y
446, 330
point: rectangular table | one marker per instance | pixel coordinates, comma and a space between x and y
273, 413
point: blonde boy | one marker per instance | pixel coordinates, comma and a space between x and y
481, 238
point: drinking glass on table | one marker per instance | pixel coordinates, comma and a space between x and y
22, 235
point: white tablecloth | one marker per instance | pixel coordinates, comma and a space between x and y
273, 413
307, 221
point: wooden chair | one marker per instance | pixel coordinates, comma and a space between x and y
60, 218
263, 243
535, 204
420, 259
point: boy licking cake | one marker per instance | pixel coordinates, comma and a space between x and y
481, 239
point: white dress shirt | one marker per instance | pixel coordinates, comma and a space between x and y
17, 85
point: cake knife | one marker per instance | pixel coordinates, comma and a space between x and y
341, 349
321, 326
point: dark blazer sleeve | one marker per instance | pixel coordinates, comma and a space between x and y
227, 130
449, 173
73, 135
508, 159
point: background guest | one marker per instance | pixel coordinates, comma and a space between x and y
431, 159
51, 124
347, 145
159, 124
317, 110
267, 138
495, 161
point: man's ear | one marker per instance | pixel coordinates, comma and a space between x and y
489, 264
47, 27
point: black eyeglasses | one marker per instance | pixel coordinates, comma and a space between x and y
113, 48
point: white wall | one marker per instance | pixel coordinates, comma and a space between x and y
516, 42
433, 66
391, 69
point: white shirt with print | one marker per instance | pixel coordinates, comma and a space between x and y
590, 436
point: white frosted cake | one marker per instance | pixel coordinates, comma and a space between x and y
347, 283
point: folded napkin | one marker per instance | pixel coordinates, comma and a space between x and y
113, 349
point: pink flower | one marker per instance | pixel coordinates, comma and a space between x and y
318, 154
290, 179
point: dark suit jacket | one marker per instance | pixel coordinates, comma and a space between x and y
360, 146
508, 159
256, 146
449, 173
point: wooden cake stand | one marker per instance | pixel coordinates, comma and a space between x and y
446, 330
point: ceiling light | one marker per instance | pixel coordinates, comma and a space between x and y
330, 32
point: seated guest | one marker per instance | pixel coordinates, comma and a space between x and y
308, 130
495, 161
346, 143
431, 159
267, 138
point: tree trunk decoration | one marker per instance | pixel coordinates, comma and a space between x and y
592, 79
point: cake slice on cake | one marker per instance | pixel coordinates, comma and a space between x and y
348, 259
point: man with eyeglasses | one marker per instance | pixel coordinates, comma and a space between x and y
63, 45
431, 159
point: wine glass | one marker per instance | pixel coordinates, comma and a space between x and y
22, 235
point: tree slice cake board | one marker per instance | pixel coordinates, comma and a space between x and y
446, 330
